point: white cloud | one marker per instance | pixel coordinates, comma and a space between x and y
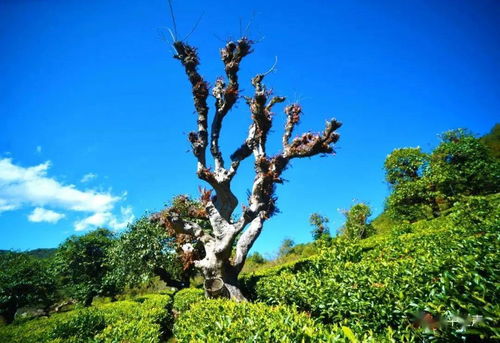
87, 177
40, 214
31, 187
107, 219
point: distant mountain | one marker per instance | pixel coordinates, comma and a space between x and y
38, 253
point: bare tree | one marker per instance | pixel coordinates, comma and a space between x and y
228, 240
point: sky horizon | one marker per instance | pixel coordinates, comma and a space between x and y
94, 111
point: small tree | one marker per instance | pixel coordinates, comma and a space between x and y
423, 185
356, 225
404, 165
319, 223
82, 263
462, 165
24, 280
218, 264
285, 247
146, 250
256, 258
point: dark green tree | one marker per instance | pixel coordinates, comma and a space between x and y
82, 263
320, 227
405, 165
425, 185
462, 165
24, 280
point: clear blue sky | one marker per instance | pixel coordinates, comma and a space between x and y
91, 87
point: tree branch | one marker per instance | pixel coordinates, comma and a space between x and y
246, 242
189, 59
226, 97
310, 144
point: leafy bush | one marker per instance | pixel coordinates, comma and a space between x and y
186, 297
356, 225
442, 270
227, 321
426, 185
84, 325
144, 319
401, 229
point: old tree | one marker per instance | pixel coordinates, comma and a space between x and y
212, 238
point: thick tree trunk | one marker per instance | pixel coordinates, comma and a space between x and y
221, 277
224, 286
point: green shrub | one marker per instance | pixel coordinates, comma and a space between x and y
185, 297
85, 325
440, 270
228, 321
401, 229
144, 319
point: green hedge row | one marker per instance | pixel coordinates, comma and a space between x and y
435, 280
143, 319
227, 321
186, 297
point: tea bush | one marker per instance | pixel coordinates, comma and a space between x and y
439, 272
186, 297
144, 319
83, 326
228, 321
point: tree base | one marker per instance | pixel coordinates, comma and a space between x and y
217, 288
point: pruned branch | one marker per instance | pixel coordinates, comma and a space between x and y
189, 59
246, 242
226, 96
310, 144
293, 113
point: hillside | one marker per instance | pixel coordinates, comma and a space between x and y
425, 270
37, 253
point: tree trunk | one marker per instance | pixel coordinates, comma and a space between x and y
221, 278
223, 287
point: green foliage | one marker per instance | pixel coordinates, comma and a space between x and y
285, 247
227, 321
461, 164
492, 141
81, 327
82, 264
356, 225
411, 201
438, 270
423, 186
24, 280
143, 319
404, 165
256, 258
401, 229
186, 297
144, 251
319, 223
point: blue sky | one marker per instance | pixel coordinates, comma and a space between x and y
94, 111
